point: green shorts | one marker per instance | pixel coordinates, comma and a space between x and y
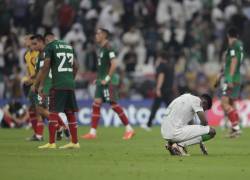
233, 93
32, 98
108, 93
61, 100
38, 100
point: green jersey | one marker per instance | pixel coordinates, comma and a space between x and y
61, 57
106, 54
236, 50
48, 80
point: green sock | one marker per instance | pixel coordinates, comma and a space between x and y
206, 137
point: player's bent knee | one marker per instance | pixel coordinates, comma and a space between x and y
212, 132
97, 102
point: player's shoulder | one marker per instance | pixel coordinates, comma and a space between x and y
109, 48
190, 97
237, 45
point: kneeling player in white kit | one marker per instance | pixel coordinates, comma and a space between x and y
175, 127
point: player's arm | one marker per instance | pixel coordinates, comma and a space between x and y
159, 83
233, 66
111, 71
112, 67
202, 118
75, 67
43, 73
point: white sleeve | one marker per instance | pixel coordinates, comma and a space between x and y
111, 54
232, 53
196, 104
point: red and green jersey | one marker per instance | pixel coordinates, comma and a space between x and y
61, 57
48, 81
106, 54
236, 50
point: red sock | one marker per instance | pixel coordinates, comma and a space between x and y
118, 109
95, 115
53, 123
39, 128
72, 126
8, 120
61, 124
33, 121
233, 117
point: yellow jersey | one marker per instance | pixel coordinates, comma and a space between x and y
30, 61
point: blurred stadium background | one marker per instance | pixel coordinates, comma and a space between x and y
192, 32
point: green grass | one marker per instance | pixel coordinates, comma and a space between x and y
110, 157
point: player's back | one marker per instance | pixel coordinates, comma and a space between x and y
61, 56
30, 60
181, 110
235, 50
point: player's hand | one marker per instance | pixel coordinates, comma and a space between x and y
27, 81
216, 84
103, 82
40, 90
33, 88
158, 93
94, 82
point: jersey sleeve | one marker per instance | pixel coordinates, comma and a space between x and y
111, 54
232, 52
196, 104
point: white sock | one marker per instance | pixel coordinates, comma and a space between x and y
92, 131
39, 136
189, 142
128, 128
236, 128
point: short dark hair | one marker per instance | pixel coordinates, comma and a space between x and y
48, 34
38, 37
208, 99
106, 32
233, 32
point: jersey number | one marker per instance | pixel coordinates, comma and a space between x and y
65, 57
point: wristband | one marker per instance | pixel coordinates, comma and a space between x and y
107, 78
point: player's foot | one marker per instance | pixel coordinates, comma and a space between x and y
179, 150
66, 133
128, 135
168, 146
203, 148
146, 127
89, 136
48, 146
70, 146
59, 135
234, 133
34, 138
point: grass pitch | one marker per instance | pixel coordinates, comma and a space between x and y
110, 157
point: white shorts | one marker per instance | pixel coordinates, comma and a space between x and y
185, 133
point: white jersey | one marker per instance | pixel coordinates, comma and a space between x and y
180, 112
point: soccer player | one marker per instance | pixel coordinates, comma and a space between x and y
59, 57
41, 100
175, 127
232, 80
30, 61
105, 92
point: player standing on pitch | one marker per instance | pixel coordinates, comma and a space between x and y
232, 77
59, 57
105, 92
42, 100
